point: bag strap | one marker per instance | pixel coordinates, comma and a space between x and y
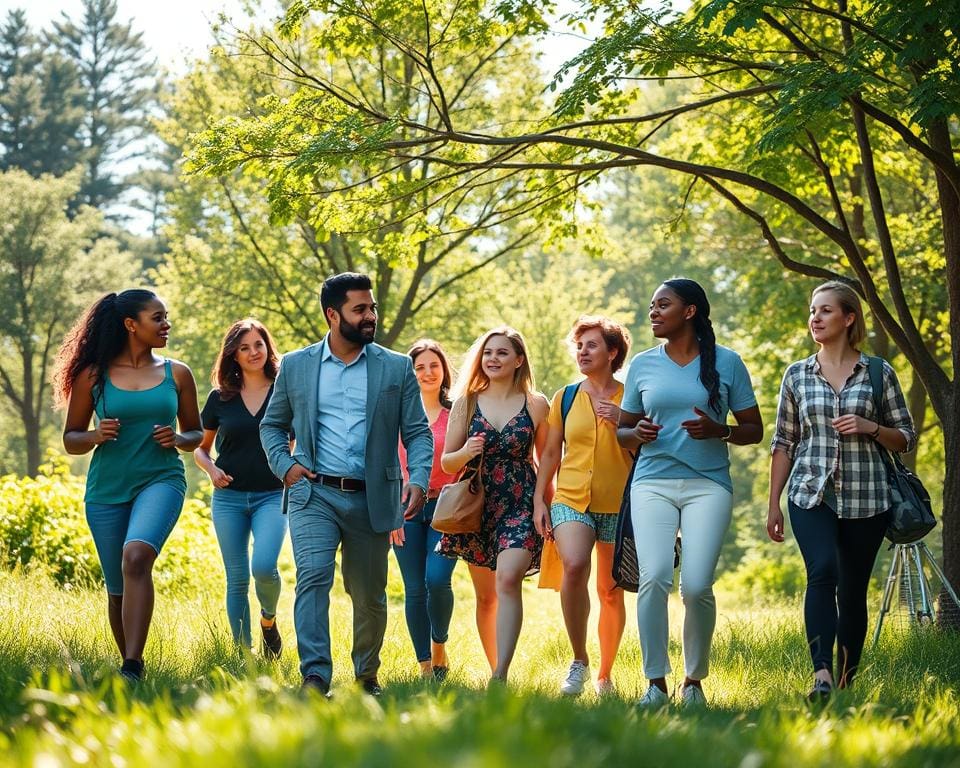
566, 403
470, 405
875, 372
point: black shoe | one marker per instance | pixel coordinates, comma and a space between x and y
317, 684
271, 646
820, 693
440, 673
132, 670
371, 687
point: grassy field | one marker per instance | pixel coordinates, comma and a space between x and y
61, 703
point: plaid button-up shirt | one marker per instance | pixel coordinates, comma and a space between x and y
820, 454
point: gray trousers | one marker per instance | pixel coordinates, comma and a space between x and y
321, 520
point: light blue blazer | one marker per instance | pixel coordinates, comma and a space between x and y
394, 413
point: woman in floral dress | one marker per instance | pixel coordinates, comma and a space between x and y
499, 417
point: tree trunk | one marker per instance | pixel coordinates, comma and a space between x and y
28, 413
950, 614
940, 140
31, 429
917, 403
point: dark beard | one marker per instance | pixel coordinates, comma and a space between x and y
357, 334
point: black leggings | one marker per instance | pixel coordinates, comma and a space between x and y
839, 555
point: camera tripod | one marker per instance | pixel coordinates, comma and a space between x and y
908, 575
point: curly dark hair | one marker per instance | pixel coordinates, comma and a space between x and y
96, 340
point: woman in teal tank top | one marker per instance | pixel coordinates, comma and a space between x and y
107, 370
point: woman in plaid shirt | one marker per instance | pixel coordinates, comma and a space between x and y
826, 444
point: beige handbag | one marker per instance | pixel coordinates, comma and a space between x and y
460, 505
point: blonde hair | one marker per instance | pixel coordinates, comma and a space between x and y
472, 379
850, 303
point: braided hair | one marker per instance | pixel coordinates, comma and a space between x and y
96, 340
691, 292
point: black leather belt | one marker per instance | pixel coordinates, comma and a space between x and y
348, 484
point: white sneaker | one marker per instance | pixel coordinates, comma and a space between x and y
691, 697
654, 698
578, 675
605, 688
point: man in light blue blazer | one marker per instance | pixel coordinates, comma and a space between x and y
349, 402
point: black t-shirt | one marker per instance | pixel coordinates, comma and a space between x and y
239, 451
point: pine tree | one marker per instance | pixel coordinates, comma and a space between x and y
41, 104
118, 82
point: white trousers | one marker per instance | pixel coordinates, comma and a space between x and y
700, 509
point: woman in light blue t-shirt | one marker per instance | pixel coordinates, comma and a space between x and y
675, 405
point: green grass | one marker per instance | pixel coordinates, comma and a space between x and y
202, 705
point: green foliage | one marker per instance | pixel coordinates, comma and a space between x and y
266, 155
117, 80
52, 264
603, 64
767, 573
43, 530
191, 557
42, 526
41, 103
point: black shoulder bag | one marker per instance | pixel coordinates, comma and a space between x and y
911, 515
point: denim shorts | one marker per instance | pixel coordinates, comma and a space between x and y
148, 518
604, 525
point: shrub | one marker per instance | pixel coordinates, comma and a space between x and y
770, 572
43, 526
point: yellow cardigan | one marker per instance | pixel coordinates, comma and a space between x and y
593, 471
594, 468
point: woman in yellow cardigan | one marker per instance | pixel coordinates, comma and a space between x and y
582, 442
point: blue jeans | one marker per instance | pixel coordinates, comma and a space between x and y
426, 583
237, 514
148, 518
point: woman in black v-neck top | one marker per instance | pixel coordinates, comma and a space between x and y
246, 494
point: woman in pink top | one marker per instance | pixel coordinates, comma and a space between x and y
426, 575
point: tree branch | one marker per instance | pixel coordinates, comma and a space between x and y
281, 283
810, 270
9, 390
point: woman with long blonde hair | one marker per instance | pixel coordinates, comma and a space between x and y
498, 420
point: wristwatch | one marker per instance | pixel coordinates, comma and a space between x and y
729, 433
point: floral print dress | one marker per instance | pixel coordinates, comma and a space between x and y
508, 485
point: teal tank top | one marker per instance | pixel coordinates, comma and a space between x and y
121, 468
